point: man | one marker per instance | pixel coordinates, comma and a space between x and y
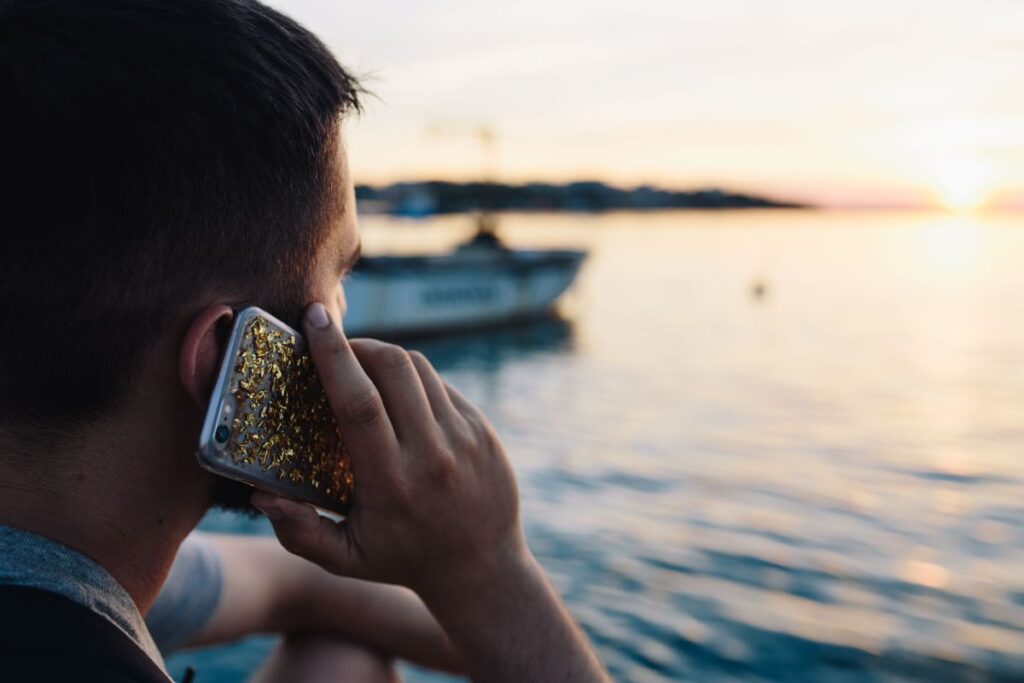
163, 164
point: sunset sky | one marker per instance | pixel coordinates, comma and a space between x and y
867, 103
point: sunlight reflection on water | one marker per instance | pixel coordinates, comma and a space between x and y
823, 483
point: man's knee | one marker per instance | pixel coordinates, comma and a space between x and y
306, 658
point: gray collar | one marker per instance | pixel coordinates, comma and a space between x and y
30, 560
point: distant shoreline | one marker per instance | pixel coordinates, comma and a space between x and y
433, 197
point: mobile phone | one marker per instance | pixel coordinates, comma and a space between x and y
268, 423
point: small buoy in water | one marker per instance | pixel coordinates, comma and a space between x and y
759, 289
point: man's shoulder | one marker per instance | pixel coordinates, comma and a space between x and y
45, 636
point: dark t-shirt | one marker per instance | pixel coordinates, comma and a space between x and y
46, 637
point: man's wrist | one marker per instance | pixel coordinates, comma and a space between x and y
511, 570
509, 624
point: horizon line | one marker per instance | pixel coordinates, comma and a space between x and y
804, 203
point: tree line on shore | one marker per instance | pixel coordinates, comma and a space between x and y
438, 197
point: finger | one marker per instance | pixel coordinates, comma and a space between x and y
392, 371
461, 403
303, 532
440, 402
356, 403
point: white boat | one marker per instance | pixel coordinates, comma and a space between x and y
479, 284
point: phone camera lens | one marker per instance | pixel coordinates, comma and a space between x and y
222, 434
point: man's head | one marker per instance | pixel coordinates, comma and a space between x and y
160, 162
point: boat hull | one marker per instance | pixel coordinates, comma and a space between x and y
418, 295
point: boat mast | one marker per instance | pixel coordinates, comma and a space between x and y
486, 222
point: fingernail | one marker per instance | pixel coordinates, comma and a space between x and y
317, 316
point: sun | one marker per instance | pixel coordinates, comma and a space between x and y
962, 198
961, 187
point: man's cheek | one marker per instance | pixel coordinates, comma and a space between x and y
341, 305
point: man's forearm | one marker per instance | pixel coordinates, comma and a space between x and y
389, 618
267, 590
510, 627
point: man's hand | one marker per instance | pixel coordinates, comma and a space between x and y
435, 496
435, 509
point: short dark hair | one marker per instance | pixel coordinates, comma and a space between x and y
150, 149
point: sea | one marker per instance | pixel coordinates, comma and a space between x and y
759, 445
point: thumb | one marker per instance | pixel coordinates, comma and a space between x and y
304, 532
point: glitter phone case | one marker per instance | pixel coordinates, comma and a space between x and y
269, 423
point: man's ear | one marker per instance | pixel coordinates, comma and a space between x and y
201, 351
